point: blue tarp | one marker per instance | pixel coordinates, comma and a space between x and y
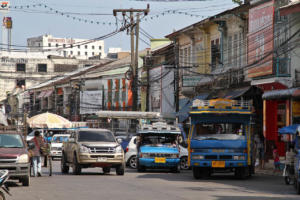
292, 129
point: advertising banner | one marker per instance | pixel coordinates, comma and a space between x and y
260, 40
4, 6
90, 101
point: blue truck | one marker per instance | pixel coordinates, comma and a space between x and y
157, 147
220, 138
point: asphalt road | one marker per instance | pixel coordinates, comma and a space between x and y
93, 184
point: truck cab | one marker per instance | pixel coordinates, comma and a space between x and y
157, 147
220, 138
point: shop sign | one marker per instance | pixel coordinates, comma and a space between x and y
190, 81
259, 37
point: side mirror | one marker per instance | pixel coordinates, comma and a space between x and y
119, 140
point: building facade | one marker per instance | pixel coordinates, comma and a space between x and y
68, 47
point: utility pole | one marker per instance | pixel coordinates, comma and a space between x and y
134, 54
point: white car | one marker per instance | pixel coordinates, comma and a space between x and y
130, 155
56, 144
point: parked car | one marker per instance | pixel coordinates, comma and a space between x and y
131, 151
57, 143
14, 156
88, 148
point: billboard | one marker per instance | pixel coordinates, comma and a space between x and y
90, 101
4, 5
260, 40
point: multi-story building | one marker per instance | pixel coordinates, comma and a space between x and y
68, 47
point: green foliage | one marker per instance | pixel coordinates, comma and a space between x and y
240, 2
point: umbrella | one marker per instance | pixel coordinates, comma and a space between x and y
3, 119
49, 120
292, 129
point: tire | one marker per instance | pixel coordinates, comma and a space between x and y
2, 196
106, 170
76, 166
63, 165
132, 162
25, 180
175, 169
120, 170
196, 172
184, 163
241, 172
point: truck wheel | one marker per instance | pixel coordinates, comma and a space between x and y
240, 172
76, 166
184, 163
120, 170
63, 165
196, 172
106, 170
25, 180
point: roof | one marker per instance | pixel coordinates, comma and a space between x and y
129, 115
282, 94
202, 22
159, 128
292, 7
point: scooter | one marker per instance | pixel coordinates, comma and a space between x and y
3, 185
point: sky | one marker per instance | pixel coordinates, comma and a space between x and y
90, 19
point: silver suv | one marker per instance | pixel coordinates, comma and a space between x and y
88, 148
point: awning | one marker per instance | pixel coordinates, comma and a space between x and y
292, 129
185, 106
280, 94
48, 93
235, 93
41, 95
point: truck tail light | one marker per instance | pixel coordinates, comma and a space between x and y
126, 150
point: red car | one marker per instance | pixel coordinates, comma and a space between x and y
14, 156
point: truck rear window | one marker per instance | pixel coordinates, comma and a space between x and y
93, 136
11, 141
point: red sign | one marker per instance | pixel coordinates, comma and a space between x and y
260, 40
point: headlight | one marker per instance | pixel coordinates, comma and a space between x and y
238, 157
118, 149
197, 157
23, 159
174, 156
84, 149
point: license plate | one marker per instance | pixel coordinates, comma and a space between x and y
160, 160
218, 164
101, 159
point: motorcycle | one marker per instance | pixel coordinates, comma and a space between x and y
289, 174
3, 185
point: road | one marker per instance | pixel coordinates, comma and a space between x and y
92, 184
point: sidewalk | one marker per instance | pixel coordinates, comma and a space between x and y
269, 168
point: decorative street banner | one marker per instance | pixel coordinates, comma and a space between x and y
90, 101
260, 40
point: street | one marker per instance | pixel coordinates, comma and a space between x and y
93, 184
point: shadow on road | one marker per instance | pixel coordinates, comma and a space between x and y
254, 198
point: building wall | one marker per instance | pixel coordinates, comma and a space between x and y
76, 47
295, 45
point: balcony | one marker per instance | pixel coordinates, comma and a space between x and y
282, 67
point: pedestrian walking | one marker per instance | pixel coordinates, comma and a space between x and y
261, 153
37, 151
276, 159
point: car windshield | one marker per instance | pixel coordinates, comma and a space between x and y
59, 139
95, 136
226, 131
159, 140
11, 141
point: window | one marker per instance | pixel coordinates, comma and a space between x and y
21, 67
78, 53
42, 67
93, 47
100, 47
78, 46
229, 50
71, 45
20, 82
65, 53
93, 53
71, 52
49, 44
39, 44
86, 46
56, 45
64, 45
215, 53
86, 53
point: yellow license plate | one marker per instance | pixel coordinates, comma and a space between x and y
160, 160
218, 164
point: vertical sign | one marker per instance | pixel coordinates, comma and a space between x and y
260, 40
